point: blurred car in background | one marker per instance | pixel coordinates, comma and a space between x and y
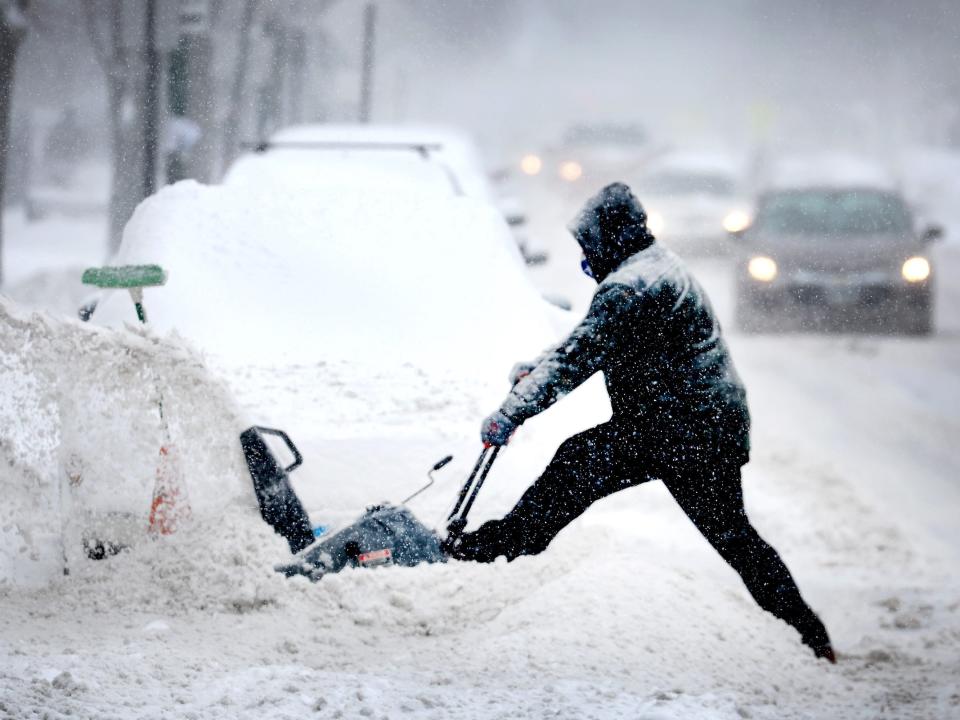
593, 154
846, 257
693, 200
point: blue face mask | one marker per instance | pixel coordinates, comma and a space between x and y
585, 266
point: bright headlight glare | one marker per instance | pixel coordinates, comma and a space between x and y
655, 223
531, 164
570, 170
736, 221
762, 268
916, 269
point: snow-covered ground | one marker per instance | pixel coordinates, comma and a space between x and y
854, 479
43, 261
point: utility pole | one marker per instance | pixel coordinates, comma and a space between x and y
270, 94
190, 153
231, 128
13, 29
151, 108
366, 79
296, 67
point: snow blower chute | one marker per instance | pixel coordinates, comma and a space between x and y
383, 535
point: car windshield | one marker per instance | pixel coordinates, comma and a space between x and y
820, 212
675, 183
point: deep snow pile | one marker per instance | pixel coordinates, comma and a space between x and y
82, 434
630, 613
302, 276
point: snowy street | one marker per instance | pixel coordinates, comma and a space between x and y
274, 273
629, 612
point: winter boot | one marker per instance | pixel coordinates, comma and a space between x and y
813, 634
485, 544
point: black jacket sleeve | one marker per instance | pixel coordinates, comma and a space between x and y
587, 350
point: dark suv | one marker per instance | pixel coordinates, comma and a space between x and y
840, 258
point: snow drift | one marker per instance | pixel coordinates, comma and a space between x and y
82, 432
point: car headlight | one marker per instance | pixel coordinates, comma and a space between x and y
655, 223
736, 221
916, 269
570, 170
762, 268
531, 164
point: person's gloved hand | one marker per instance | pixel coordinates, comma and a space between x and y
497, 429
519, 371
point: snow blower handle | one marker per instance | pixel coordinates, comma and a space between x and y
457, 519
437, 466
297, 457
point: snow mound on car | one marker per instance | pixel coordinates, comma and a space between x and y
82, 434
829, 169
446, 149
296, 276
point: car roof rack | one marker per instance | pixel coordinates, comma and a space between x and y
423, 149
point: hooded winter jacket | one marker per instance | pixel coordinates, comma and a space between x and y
651, 331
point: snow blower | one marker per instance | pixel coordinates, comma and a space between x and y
383, 535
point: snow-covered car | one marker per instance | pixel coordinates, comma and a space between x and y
384, 157
349, 272
389, 157
849, 256
360, 321
693, 200
515, 213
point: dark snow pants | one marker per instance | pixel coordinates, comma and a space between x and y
705, 481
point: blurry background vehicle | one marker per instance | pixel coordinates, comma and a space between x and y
589, 154
848, 257
553, 179
693, 200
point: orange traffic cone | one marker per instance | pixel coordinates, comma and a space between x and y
170, 506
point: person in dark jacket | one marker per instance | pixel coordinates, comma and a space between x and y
679, 412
